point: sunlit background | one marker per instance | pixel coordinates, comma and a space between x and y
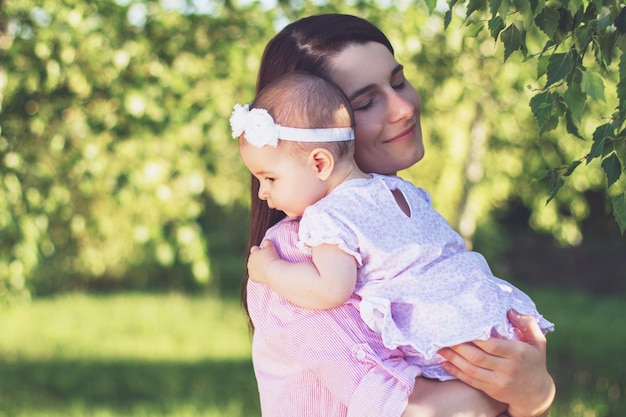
124, 205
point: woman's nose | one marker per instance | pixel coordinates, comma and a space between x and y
399, 107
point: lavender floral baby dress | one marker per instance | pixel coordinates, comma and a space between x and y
420, 288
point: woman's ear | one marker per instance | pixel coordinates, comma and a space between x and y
322, 161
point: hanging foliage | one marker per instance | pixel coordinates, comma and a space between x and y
582, 46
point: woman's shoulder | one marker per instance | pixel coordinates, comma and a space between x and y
285, 226
284, 235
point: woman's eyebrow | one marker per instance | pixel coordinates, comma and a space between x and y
369, 87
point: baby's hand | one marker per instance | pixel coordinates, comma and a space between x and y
259, 260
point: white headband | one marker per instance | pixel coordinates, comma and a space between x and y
261, 130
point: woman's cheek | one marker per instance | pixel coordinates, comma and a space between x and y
366, 128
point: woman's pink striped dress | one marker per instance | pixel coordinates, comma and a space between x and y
325, 363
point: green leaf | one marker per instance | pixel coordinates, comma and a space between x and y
583, 34
571, 127
621, 84
572, 167
548, 21
556, 182
542, 106
600, 135
620, 21
473, 6
549, 45
575, 99
620, 42
522, 8
605, 48
565, 25
534, 4
494, 7
542, 65
592, 84
604, 19
431, 5
447, 18
542, 174
620, 147
512, 39
612, 168
579, 14
619, 210
560, 65
495, 25
547, 108
475, 29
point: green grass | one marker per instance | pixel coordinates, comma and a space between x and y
126, 355
586, 353
170, 355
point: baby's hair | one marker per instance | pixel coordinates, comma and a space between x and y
303, 100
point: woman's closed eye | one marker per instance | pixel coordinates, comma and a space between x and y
366, 102
364, 106
400, 85
398, 81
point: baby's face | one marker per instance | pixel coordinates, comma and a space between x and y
287, 182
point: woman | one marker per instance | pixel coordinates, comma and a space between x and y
328, 362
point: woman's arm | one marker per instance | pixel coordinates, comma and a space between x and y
450, 399
325, 283
510, 371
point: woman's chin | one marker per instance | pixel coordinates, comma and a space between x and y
412, 158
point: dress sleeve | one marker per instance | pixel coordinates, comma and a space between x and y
319, 226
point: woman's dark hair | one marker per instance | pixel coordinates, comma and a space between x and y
306, 45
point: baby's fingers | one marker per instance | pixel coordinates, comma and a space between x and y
266, 244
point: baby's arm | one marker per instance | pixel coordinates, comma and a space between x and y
450, 398
326, 282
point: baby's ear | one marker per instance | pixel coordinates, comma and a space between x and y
322, 161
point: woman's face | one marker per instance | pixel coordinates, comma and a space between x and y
386, 108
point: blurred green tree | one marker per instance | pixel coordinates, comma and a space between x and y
116, 161
113, 135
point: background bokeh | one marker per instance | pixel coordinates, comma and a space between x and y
124, 205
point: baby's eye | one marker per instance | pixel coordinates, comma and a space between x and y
270, 179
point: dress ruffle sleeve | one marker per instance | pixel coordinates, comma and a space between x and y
320, 226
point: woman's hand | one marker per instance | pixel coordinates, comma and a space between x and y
259, 260
510, 371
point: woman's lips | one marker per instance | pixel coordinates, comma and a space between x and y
405, 135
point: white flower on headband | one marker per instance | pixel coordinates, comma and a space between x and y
257, 124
